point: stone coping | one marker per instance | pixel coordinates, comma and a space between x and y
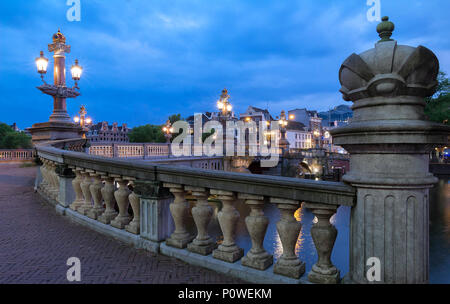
324, 192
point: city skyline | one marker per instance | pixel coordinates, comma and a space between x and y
145, 61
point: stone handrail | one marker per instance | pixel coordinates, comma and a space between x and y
130, 150
146, 186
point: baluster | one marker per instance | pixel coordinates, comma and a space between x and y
79, 199
288, 229
110, 201
179, 209
324, 235
96, 193
257, 257
44, 183
134, 225
121, 195
54, 191
227, 251
85, 185
202, 213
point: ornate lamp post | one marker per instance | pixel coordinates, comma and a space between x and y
59, 125
168, 130
82, 120
58, 90
223, 104
284, 143
317, 140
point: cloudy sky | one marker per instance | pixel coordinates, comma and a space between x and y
146, 59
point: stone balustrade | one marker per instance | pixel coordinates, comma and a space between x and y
155, 206
130, 150
16, 155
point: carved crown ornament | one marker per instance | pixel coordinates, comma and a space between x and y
389, 69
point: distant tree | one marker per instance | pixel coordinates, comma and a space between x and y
147, 133
10, 139
438, 106
174, 117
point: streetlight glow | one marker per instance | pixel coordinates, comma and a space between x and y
76, 71
76, 119
41, 64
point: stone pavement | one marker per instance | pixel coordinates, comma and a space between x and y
35, 243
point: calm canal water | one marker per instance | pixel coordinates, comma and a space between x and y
439, 234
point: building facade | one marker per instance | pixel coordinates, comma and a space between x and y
102, 132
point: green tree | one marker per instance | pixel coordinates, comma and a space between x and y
438, 106
174, 117
10, 139
147, 133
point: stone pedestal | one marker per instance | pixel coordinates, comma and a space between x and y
66, 193
156, 221
389, 141
54, 130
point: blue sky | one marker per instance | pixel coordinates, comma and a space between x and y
146, 59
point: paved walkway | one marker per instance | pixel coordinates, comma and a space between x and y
35, 243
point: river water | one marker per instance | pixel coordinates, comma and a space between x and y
439, 234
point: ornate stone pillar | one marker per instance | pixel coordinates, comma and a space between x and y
288, 229
228, 251
121, 195
85, 188
96, 193
109, 199
65, 177
79, 199
257, 257
202, 213
179, 210
324, 235
156, 221
134, 225
389, 141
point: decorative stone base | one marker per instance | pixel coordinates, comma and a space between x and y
75, 205
258, 263
228, 256
320, 278
94, 213
201, 249
107, 217
289, 270
121, 221
178, 242
84, 209
133, 227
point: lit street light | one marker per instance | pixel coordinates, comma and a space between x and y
82, 120
223, 104
59, 91
168, 130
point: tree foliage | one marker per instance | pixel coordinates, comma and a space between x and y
147, 133
174, 117
438, 106
10, 139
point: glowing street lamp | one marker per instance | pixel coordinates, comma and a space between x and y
41, 64
168, 130
223, 104
58, 90
76, 71
284, 143
82, 120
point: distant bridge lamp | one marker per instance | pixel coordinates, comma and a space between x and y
223, 104
168, 130
82, 120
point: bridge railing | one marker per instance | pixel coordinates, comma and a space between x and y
164, 198
11, 155
130, 150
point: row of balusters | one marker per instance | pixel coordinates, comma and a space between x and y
99, 188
